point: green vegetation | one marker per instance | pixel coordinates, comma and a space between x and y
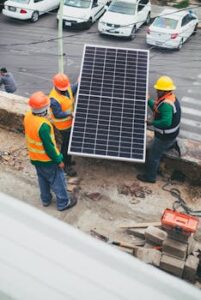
182, 4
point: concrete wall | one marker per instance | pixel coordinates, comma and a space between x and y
13, 108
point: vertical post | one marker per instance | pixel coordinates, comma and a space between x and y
60, 38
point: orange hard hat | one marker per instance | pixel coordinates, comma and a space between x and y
61, 81
38, 100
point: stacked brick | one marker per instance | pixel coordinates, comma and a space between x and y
172, 252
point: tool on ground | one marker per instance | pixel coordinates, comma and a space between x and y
179, 222
111, 242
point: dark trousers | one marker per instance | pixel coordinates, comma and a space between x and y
158, 148
64, 146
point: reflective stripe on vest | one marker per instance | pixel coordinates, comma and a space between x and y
167, 131
35, 146
66, 104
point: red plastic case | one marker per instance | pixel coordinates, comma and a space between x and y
184, 223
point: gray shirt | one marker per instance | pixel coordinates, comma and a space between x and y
9, 82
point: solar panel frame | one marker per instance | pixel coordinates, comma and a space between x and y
82, 97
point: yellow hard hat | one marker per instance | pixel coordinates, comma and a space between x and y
165, 83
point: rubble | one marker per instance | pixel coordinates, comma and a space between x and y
172, 248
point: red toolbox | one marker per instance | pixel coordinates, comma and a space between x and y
180, 222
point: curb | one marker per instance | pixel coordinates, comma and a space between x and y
13, 108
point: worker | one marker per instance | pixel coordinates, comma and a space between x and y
44, 154
62, 107
7, 79
166, 121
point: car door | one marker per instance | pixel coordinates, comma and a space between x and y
97, 9
41, 6
186, 27
142, 12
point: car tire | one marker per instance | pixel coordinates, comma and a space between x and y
148, 19
34, 17
180, 44
195, 29
89, 23
133, 33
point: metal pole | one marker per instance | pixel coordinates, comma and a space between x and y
60, 38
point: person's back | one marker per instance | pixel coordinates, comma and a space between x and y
8, 81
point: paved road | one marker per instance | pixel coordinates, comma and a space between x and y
30, 52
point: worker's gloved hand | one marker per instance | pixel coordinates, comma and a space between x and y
149, 122
61, 165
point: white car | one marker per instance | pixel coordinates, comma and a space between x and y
172, 28
82, 13
124, 17
28, 9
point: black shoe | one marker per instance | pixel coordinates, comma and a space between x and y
46, 204
144, 178
70, 172
72, 202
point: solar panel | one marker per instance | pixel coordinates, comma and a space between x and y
111, 104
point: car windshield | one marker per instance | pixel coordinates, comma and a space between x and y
78, 3
165, 23
22, 1
122, 7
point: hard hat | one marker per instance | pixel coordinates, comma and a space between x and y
39, 102
61, 81
165, 83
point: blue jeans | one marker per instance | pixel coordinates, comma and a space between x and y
52, 178
158, 148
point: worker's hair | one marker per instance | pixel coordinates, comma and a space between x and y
3, 70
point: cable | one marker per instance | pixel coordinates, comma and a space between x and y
179, 202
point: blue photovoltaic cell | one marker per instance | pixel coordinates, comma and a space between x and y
111, 104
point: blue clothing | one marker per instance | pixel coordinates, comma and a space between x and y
158, 148
56, 107
9, 82
52, 178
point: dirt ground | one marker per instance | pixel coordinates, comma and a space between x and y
109, 194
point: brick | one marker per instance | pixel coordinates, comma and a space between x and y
190, 268
172, 265
178, 236
175, 248
149, 245
155, 235
138, 232
149, 256
191, 245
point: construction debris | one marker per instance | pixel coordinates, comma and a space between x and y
172, 247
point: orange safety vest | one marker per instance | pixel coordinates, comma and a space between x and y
67, 104
167, 98
32, 125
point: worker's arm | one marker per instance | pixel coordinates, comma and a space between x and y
57, 111
151, 103
44, 134
166, 114
74, 87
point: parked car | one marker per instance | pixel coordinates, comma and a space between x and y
124, 17
82, 13
28, 9
172, 28
1, 4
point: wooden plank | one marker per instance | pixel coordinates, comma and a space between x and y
142, 225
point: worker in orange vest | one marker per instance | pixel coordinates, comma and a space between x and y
44, 154
166, 122
62, 107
